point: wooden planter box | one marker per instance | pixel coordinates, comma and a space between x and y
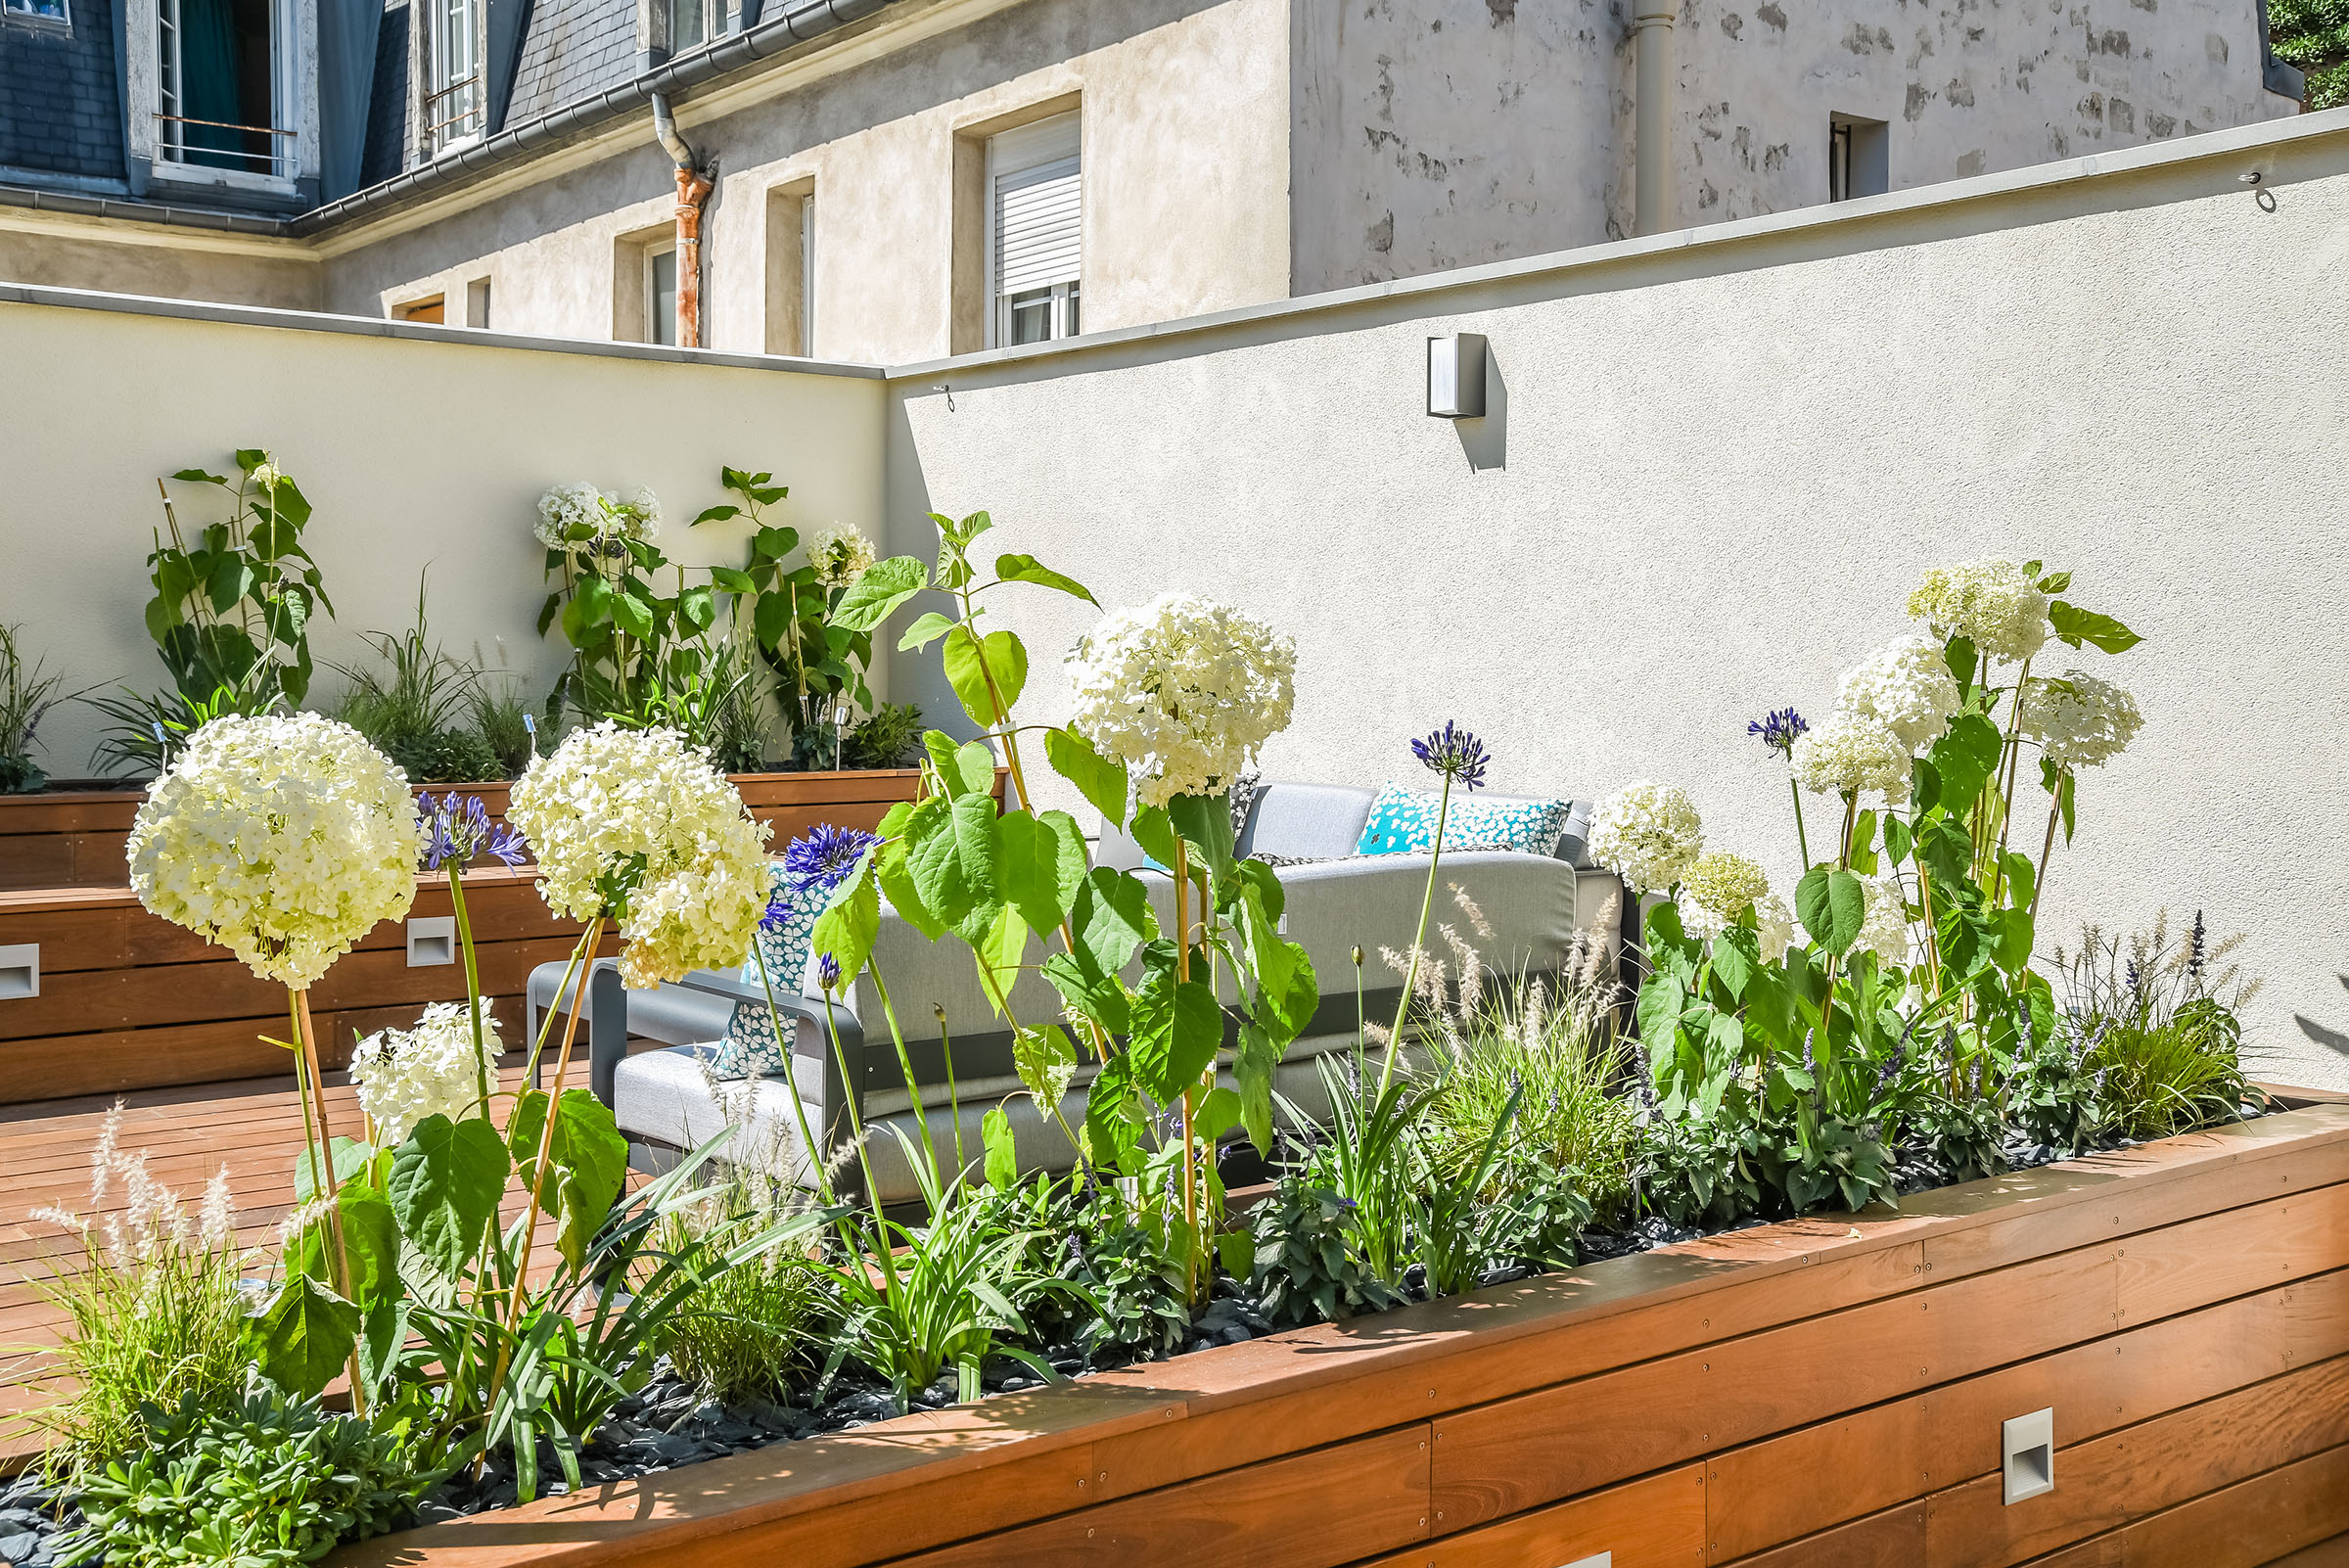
1815, 1394
76, 838
130, 1001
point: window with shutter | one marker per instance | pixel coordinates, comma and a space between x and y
1035, 230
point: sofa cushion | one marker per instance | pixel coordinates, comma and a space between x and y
1402, 821
1306, 822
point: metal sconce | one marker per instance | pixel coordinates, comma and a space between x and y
1456, 376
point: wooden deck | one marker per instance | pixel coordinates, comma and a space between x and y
252, 1127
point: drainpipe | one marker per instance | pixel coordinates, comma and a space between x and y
1651, 129
693, 189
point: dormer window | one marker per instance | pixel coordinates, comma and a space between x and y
222, 93
455, 107
51, 14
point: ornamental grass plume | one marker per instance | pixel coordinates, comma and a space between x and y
1648, 834
1182, 691
2078, 719
636, 826
283, 838
434, 1068
1992, 603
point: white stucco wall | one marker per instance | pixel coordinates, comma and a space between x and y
1185, 149
1439, 134
429, 449
1728, 456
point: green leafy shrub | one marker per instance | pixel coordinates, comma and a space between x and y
264, 1483
1308, 1270
501, 716
2313, 35
413, 705
158, 1318
889, 736
2153, 1021
26, 693
742, 1333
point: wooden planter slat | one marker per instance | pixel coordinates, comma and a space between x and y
1560, 1412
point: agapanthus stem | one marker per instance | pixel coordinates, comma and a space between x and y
1427, 905
1183, 972
921, 1112
2013, 761
472, 979
816, 1161
322, 1172
1802, 840
2047, 848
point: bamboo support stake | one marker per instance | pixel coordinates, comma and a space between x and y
322, 1160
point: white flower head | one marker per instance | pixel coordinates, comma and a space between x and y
1906, 687
639, 516
1993, 604
1776, 923
2078, 719
578, 515
283, 838
607, 796
265, 475
1648, 834
406, 1074
1182, 691
840, 554
1719, 888
1853, 753
1884, 930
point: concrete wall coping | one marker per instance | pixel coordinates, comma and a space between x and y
420, 331
2248, 150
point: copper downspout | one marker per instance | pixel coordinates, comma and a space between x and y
693, 190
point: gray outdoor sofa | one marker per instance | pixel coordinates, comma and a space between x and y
1538, 909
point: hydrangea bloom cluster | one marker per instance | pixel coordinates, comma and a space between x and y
1184, 691
406, 1074
2078, 719
1776, 923
645, 806
840, 554
571, 516
283, 838
1993, 604
1884, 930
1718, 889
1907, 688
1648, 834
1853, 753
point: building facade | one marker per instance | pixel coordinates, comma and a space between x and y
900, 180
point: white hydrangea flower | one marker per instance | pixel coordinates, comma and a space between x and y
1993, 604
1776, 923
1184, 691
1648, 834
1853, 753
265, 475
1718, 889
283, 838
609, 793
2078, 719
840, 554
1906, 687
1884, 931
406, 1074
571, 515
639, 516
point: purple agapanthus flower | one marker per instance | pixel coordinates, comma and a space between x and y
1779, 729
459, 828
827, 973
824, 855
1454, 753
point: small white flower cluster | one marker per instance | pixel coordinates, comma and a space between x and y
573, 516
1184, 691
1993, 604
283, 838
1884, 930
2079, 720
406, 1074
1853, 753
840, 554
609, 793
1648, 834
1907, 688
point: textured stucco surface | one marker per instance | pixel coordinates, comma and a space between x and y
1441, 133
66, 254
1185, 165
1725, 467
416, 452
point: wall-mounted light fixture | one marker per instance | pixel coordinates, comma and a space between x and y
431, 941
19, 972
1456, 376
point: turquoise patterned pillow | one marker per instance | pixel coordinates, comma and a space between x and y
1402, 821
749, 1048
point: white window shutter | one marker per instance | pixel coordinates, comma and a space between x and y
1039, 206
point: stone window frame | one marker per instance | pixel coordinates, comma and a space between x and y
295, 51
34, 20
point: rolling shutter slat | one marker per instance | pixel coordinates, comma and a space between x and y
1040, 219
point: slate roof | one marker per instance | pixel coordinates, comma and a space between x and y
386, 152
59, 111
574, 48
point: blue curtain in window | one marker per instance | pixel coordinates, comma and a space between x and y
347, 35
208, 63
